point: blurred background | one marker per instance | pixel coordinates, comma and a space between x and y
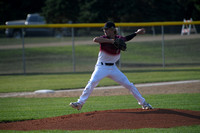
99, 11
65, 50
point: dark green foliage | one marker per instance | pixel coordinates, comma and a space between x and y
95, 11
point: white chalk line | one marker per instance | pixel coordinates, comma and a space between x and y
102, 88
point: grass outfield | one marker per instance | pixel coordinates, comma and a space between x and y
189, 129
51, 59
17, 109
28, 83
34, 40
59, 59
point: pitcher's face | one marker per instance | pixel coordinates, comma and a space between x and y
110, 32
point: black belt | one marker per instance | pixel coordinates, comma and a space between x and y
107, 64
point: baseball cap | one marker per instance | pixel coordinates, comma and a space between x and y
109, 25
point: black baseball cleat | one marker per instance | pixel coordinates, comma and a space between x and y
146, 106
76, 105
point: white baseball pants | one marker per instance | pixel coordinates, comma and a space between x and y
102, 71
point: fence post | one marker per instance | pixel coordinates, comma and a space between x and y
119, 61
73, 52
23, 53
73, 49
153, 30
163, 47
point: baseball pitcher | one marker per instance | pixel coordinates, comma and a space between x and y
111, 45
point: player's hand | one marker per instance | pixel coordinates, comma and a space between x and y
140, 31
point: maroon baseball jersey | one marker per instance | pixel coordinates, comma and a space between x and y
110, 48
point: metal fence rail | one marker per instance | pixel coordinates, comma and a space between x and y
81, 62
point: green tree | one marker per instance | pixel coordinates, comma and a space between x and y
61, 11
102, 10
161, 10
127, 10
190, 9
18, 9
95, 11
138, 10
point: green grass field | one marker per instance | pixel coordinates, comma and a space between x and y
182, 60
191, 129
178, 53
17, 109
21, 83
34, 40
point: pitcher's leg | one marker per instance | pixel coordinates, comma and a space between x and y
120, 78
134, 92
137, 95
97, 75
87, 91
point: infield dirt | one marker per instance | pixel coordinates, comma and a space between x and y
117, 119
111, 120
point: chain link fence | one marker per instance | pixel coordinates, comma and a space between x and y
161, 47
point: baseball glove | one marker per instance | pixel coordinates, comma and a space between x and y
120, 44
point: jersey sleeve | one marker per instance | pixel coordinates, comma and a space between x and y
131, 36
128, 37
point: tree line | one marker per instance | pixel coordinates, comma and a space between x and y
100, 11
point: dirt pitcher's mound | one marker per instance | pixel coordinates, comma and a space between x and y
111, 119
